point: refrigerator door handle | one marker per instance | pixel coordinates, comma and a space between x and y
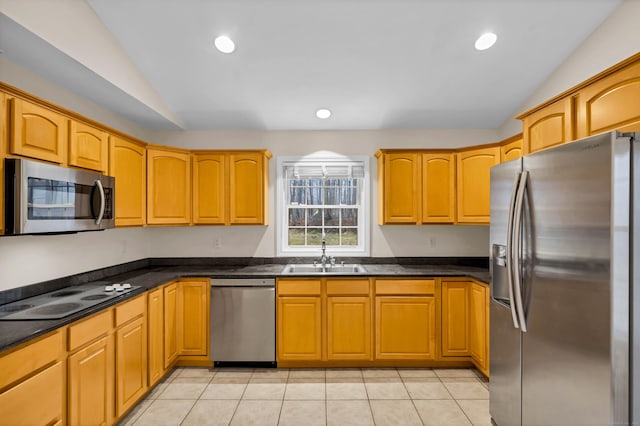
509, 257
516, 248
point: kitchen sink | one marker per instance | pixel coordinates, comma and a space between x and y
311, 269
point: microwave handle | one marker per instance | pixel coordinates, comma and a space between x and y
102, 201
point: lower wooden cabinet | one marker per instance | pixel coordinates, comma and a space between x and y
155, 330
91, 384
192, 317
299, 328
405, 327
131, 364
170, 324
348, 328
455, 318
479, 331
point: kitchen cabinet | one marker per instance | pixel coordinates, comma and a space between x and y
479, 331
170, 324
37, 132
131, 353
550, 126
348, 319
405, 320
248, 187
398, 187
88, 147
4, 136
511, 148
128, 165
155, 332
168, 186
610, 103
455, 309
438, 187
193, 317
299, 320
474, 182
210, 189
33, 381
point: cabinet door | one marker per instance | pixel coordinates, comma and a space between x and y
611, 103
90, 386
193, 317
37, 132
474, 182
37, 400
511, 150
209, 189
550, 126
170, 324
299, 328
438, 188
405, 328
348, 328
131, 364
128, 165
168, 187
455, 318
88, 147
155, 326
479, 309
400, 193
247, 192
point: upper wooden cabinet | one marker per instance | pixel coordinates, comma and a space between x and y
474, 182
88, 147
210, 189
511, 148
128, 165
399, 187
438, 187
549, 126
168, 186
611, 103
37, 132
230, 187
416, 187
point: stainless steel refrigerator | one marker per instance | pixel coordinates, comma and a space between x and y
564, 264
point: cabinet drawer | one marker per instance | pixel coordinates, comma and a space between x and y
299, 287
356, 287
36, 401
129, 310
405, 286
24, 361
87, 330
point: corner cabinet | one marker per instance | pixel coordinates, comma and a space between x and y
128, 165
511, 149
168, 186
474, 183
479, 330
88, 147
230, 187
37, 132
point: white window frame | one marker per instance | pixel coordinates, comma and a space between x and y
364, 220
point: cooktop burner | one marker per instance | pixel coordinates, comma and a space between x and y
60, 303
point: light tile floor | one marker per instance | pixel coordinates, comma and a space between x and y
348, 396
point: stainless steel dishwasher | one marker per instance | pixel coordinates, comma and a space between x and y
243, 321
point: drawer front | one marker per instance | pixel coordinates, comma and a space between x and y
32, 357
298, 287
405, 286
85, 331
130, 310
355, 287
36, 401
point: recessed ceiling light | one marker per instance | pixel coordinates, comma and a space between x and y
225, 44
323, 113
485, 41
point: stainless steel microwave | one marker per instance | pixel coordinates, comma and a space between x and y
44, 198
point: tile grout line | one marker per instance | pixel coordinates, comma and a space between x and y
411, 398
456, 401
198, 398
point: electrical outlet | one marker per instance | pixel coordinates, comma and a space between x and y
432, 242
217, 243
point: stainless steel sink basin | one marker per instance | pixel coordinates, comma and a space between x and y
310, 269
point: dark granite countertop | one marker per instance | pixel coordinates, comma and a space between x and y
152, 273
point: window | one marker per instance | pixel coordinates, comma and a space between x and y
323, 198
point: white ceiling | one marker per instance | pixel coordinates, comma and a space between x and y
375, 63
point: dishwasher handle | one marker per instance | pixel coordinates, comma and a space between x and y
243, 282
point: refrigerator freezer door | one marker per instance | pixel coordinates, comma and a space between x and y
568, 361
506, 372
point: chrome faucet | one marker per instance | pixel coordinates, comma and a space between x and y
324, 258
